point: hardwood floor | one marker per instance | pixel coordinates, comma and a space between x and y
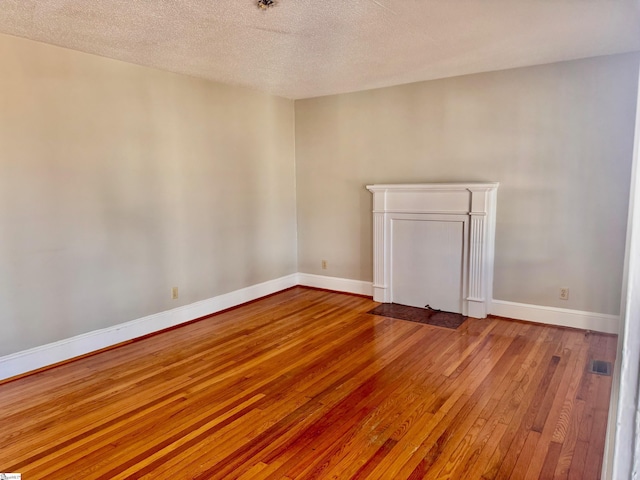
305, 384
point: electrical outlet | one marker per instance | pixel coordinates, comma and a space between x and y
564, 293
174, 293
324, 264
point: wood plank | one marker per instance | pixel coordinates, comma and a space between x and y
550, 462
304, 384
567, 452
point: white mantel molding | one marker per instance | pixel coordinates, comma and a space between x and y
472, 201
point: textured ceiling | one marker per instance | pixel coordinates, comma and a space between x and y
305, 48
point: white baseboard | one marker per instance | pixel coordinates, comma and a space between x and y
562, 317
334, 283
52, 353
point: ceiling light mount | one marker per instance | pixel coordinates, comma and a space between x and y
264, 4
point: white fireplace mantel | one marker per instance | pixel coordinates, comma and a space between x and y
473, 203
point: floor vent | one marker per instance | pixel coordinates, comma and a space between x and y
600, 367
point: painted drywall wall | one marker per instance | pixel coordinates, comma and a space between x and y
622, 448
118, 182
557, 137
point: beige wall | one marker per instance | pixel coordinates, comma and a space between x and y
557, 137
118, 182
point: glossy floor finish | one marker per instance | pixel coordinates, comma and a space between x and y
305, 384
